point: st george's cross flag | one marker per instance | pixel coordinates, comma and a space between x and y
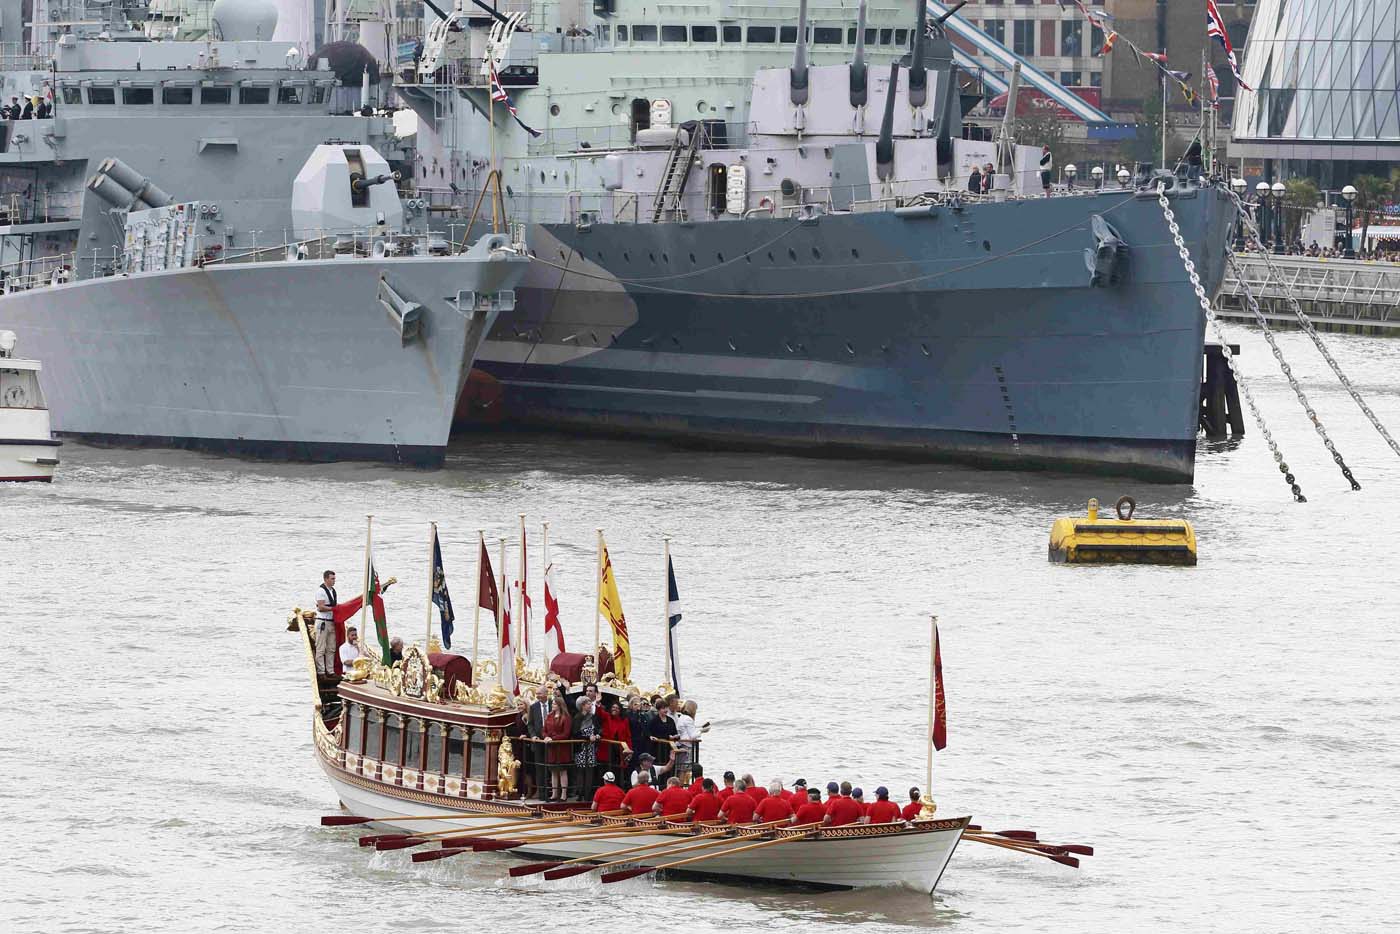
507, 655
939, 735
553, 632
441, 598
499, 95
1215, 28
673, 619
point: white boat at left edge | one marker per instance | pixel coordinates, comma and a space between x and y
28, 450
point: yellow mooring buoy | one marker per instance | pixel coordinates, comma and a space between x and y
1123, 540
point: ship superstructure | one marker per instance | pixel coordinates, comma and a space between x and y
287, 301
815, 273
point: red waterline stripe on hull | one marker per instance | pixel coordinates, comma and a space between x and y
25, 479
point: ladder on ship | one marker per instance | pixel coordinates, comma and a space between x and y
677, 173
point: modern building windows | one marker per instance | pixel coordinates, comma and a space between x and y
1023, 36
1071, 38
996, 28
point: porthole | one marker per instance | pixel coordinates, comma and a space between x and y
987, 245
850, 349
924, 348
692, 259
770, 257
720, 257
666, 258
541, 178
554, 110
701, 106
855, 254
816, 254
792, 254
626, 257
652, 257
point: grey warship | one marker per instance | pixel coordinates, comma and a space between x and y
811, 273
203, 240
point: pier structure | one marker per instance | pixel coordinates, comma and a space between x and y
1351, 296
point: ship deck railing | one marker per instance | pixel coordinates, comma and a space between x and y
37, 273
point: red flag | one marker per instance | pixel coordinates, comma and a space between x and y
342, 613
940, 712
551, 617
486, 594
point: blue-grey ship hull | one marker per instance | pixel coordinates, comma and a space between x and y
969, 335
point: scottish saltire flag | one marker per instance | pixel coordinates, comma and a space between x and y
1215, 28
499, 95
441, 598
673, 619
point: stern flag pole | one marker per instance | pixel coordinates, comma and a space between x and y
937, 715
364, 602
598, 602
668, 674
432, 540
476, 618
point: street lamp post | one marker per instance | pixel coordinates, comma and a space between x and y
1124, 176
1071, 171
1239, 185
1261, 201
1097, 174
1278, 192
1349, 193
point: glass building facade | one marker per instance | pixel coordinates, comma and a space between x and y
1326, 80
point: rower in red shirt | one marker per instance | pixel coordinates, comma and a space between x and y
698, 784
914, 808
833, 794
704, 806
842, 810
738, 807
882, 810
813, 812
728, 788
754, 789
773, 807
798, 795
640, 797
672, 802
608, 797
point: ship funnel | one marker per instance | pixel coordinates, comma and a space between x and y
858, 70
918, 76
884, 146
138, 186
797, 75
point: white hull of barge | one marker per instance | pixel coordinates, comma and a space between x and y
850, 857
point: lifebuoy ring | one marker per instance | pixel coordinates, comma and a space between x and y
765, 204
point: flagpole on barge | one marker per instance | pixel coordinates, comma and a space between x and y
476, 617
364, 601
432, 538
668, 674
935, 689
521, 641
598, 601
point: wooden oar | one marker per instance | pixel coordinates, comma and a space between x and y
565, 872
454, 837
1062, 848
484, 846
643, 870
529, 869
349, 820
651, 825
1031, 851
405, 840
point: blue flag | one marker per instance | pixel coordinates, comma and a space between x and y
441, 599
673, 618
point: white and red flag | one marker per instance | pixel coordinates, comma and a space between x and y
553, 632
1215, 28
506, 661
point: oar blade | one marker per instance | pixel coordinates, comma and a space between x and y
427, 856
624, 874
1018, 835
403, 843
462, 841
529, 869
1079, 848
1064, 860
490, 846
343, 820
372, 839
567, 872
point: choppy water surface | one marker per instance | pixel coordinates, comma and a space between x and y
1225, 735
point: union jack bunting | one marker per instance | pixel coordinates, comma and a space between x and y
1215, 28
499, 95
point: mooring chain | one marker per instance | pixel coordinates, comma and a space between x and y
1306, 323
1288, 373
1219, 329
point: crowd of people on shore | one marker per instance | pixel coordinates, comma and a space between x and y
1317, 251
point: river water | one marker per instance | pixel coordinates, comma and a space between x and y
1224, 735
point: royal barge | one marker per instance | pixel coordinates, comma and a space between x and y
418, 749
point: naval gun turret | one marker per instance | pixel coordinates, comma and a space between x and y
342, 189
